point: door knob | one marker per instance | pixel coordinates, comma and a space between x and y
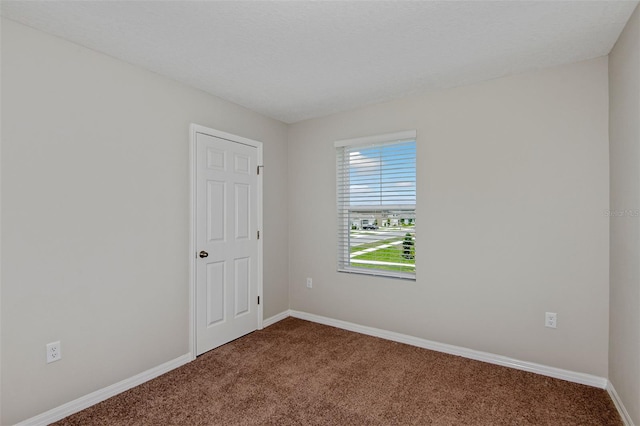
203, 254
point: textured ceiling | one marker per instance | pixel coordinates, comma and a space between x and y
298, 59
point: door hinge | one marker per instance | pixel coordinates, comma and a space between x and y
258, 234
258, 169
258, 300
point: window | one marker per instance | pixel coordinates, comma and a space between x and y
376, 198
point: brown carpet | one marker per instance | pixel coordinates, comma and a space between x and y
301, 373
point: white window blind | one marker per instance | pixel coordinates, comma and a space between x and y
376, 200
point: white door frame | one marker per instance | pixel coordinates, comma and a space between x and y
194, 129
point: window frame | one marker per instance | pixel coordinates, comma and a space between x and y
343, 225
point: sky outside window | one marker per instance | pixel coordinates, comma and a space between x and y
383, 175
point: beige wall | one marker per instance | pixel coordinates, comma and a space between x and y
624, 331
95, 217
513, 184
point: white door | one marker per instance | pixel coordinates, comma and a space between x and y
226, 241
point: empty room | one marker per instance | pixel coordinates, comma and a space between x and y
320, 212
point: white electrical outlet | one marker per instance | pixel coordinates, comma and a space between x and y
309, 283
550, 319
54, 351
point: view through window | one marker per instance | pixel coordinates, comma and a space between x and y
376, 192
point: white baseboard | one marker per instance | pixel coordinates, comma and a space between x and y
626, 418
277, 317
100, 395
558, 373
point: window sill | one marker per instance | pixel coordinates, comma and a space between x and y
378, 273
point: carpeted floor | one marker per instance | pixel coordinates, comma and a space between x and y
301, 373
